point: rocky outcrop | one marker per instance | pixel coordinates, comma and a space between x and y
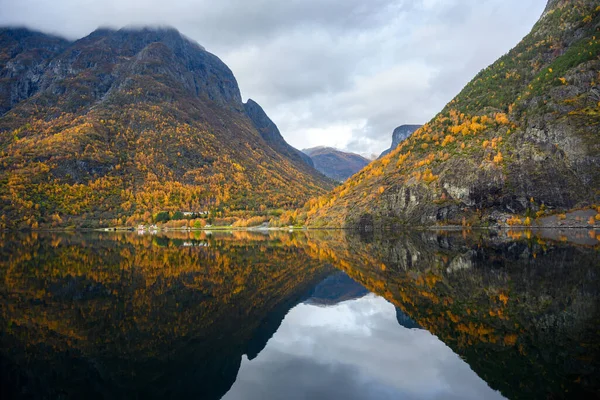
399, 135
336, 164
24, 57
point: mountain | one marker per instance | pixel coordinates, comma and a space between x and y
122, 124
336, 164
519, 141
399, 135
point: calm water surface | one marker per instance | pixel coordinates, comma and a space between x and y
302, 315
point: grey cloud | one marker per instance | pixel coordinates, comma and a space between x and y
219, 22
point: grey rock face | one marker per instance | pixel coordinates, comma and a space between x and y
399, 135
270, 133
109, 59
25, 57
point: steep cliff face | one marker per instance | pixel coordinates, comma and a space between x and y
336, 164
122, 124
24, 57
521, 138
399, 135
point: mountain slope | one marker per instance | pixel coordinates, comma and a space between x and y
24, 55
336, 164
123, 124
399, 135
521, 138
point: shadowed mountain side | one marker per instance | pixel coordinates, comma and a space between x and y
24, 57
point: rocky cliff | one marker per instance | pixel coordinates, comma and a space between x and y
24, 56
399, 135
122, 124
519, 141
336, 164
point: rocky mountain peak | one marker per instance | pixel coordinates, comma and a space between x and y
400, 134
108, 64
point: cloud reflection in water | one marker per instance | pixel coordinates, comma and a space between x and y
355, 350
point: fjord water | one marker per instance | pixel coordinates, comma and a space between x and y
300, 315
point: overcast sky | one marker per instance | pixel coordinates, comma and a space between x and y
340, 73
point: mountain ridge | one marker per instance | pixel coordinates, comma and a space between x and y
269, 131
334, 163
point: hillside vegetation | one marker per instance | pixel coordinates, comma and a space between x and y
519, 141
121, 125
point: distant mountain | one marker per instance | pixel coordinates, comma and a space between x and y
336, 164
520, 140
400, 134
336, 288
122, 124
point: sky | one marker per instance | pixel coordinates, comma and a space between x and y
340, 73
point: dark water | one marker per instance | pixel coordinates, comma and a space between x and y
303, 315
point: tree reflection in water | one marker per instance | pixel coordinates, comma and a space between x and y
120, 315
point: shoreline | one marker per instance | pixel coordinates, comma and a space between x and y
308, 228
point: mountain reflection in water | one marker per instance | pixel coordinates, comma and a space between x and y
247, 315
